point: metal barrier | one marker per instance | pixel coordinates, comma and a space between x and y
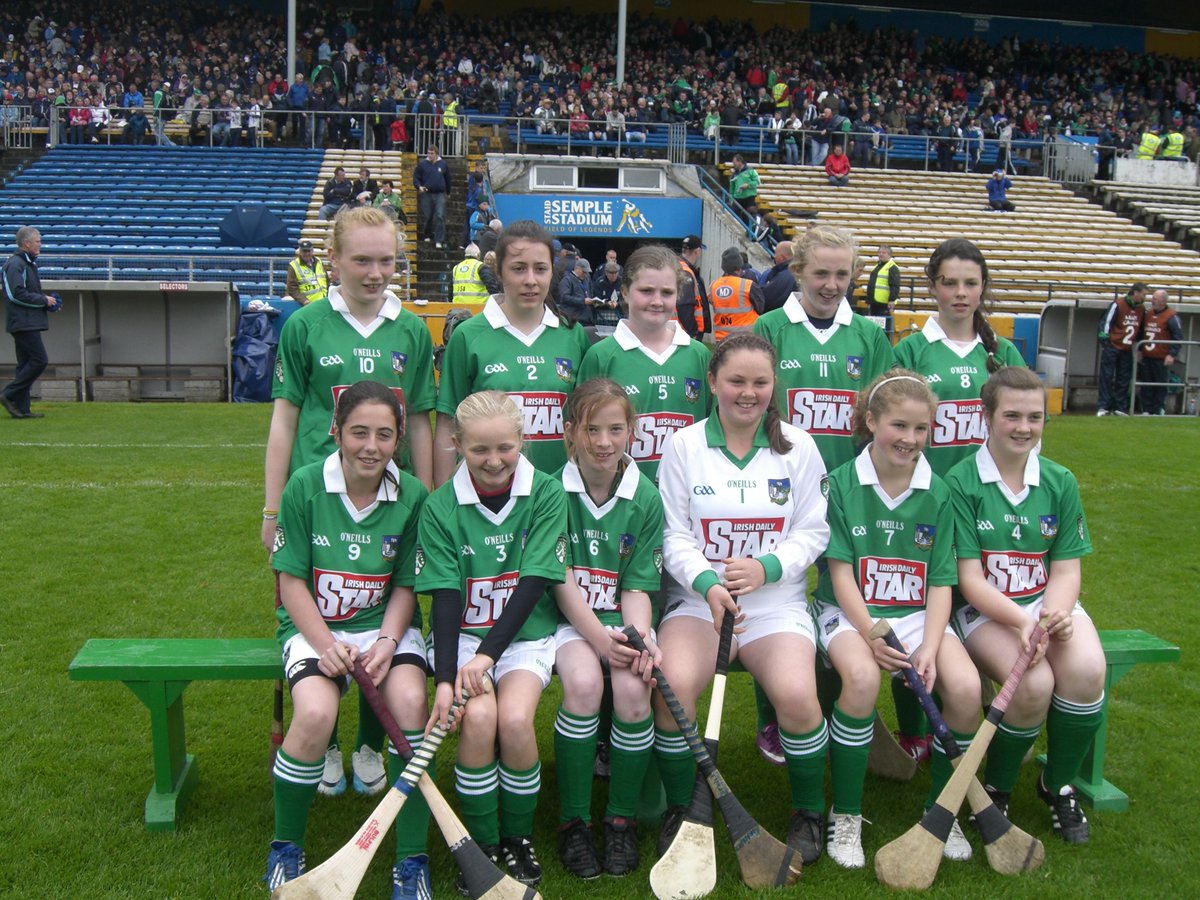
1188, 386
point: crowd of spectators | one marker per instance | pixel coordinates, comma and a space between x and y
223, 71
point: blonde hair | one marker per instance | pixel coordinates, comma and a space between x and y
486, 405
822, 236
357, 217
890, 388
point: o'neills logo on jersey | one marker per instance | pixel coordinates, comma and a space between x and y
651, 431
599, 588
1015, 574
822, 411
340, 595
338, 389
543, 413
958, 423
894, 582
724, 538
486, 598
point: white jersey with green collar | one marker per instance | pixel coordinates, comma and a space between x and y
323, 350
767, 506
668, 390
899, 547
616, 546
956, 373
464, 546
820, 371
1016, 536
538, 370
351, 559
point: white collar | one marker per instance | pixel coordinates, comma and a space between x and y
989, 473
522, 486
932, 330
495, 316
389, 310
864, 468
797, 314
335, 483
627, 340
573, 483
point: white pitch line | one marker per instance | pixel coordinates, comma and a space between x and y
66, 445
123, 485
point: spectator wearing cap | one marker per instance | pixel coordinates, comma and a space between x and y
606, 293
160, 101
692, 305
997, 189
573, 291
306, 278
479, 219
737, 302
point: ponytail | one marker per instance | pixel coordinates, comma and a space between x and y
773, 425
987, 337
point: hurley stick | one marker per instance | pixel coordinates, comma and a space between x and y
482, 878
689, 867
339, 876
764, 861
911, 861
1010, 850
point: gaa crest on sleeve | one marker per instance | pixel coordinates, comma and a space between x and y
779, 489
825, 486
560, 549
658, 559
625, 546
923, 536
691, 389
420, 559
279, 370
390, 546
280, 539
399, 361
1049, 526
565, 369
854, 367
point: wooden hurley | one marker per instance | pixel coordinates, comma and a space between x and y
765, 862
689, 867
911, 861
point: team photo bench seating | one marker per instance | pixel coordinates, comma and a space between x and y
1122, 651
158, 670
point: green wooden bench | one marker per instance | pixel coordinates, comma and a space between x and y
1122, 651
158, 670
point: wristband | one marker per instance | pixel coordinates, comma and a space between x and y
269, 513
270, 518
388, 637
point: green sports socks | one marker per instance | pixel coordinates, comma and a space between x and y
910, 718
295, 787
676, 766
629, 749
1070, 728
805, 755
574, 755
850, 744
479, 801
1005, 754
412, 825
518, 799
940, 768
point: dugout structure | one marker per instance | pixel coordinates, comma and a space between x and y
138, 340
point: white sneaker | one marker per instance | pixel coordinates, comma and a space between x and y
957, 847
370, 776
333, 779
844, 845
1102, 412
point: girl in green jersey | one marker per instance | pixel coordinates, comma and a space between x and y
890, 555
1020, 533
345, 551
615, 525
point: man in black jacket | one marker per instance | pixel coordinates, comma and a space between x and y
25, 308
432, 181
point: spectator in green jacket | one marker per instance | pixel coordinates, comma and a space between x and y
743, 184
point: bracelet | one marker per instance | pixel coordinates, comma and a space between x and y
267, 511
388, 637
270, 518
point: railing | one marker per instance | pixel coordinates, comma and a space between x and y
1187, 386
735, 209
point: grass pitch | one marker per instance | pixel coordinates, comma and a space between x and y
142, 520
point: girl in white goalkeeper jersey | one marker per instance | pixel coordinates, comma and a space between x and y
745, 518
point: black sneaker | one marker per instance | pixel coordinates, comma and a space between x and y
576, 851
1066, 813
806, 835
492, 852
522, 862
601, 768
999, 798
620, 845
671, 820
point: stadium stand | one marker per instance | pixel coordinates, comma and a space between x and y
1055, 242
1173, 210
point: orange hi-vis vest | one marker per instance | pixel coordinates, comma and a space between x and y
731, 308
687, 267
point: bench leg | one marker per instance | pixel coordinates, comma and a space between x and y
175, 773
